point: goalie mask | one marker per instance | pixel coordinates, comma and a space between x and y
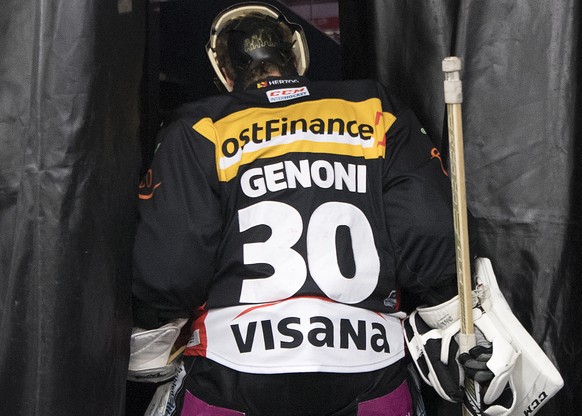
249, 36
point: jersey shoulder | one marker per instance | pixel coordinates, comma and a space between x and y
209, 107
359, 90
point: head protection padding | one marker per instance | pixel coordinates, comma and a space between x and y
254, 40
256, 34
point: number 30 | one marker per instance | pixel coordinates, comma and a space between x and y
290, 267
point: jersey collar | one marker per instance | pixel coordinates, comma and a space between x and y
278, 82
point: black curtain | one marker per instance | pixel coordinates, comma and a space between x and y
523, 140
69, 159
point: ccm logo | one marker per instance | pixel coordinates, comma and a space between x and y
536, 403
286, 94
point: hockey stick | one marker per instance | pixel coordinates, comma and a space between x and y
453, 99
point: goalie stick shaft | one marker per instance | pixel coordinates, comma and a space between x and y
453, 99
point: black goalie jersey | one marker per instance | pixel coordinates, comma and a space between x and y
285, 218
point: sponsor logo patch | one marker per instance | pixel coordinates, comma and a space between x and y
270, 82
296, 335
320, 126
283, 94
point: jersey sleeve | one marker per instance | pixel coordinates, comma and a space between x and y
179, 226
418, 203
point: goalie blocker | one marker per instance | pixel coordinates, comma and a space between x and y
514, 376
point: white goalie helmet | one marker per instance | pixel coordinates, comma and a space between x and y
256, 34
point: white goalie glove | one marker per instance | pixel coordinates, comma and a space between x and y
510, 373
149, 359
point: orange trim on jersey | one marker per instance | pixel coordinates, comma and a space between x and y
198, 325
434, 153
378, 119
263, 305
151, 194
